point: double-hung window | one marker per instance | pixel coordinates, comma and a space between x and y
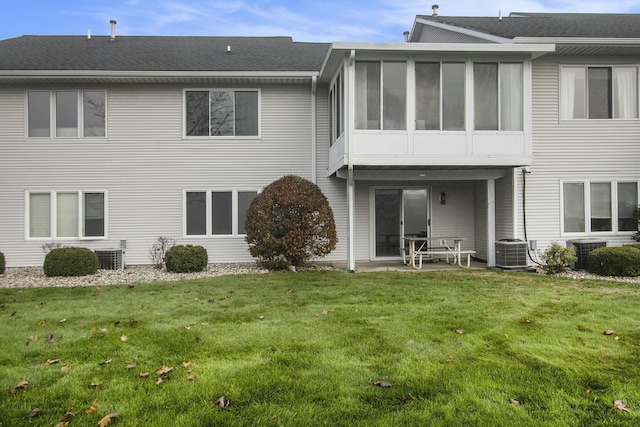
599, 206
66, 214
440, 96
216, 213
598, 92
381, 95
66, 113
223, 113
498, 96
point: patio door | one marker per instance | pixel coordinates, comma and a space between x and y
399, 212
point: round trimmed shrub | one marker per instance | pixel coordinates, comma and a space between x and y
2, 263
186, 259
70, 261
615, 261
290, 222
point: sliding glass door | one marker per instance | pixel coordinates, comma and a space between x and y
399, 213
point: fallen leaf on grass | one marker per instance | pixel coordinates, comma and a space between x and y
609, 332
524, 320
131, 366
514, 402
123, 338
144, 374
460, 331
22, 385
187, 364
13, 313
33, 338
51, 362
65, 368
107, 419
90, 410
164, 370
223, 401
63, 320
382, 384
69, 414
62, 424
41, 322
133, 322
51, 339
159, 381
95, 384
106, 362
191, 377
34, 413
618, 404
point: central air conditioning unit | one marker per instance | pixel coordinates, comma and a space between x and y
110, 259
583, 248
511, 253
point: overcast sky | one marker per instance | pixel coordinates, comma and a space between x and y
318, 20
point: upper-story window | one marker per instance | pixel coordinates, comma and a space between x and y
336, 108
381, 95
598, 92
498, 96
66, 113
66, 214
222, 113
440, 96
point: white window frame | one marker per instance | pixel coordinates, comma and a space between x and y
381, 111
52, 113
53, 215
336, 108
209, 212
586, 67
209, 89
613, 187
500, 119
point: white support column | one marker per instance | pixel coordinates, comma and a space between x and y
351, 205
491, 223
314, 137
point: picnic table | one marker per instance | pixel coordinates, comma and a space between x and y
447, 247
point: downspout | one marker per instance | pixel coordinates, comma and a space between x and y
514, 207
314, 137
351, 192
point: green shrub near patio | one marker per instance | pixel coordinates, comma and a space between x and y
2, 263
70, 261
186, 259
615, 261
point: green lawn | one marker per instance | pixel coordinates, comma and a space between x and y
306, 348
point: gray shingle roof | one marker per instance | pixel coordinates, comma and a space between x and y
521, 24
127, 53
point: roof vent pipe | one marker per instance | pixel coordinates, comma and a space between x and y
435, 10
89, 34
406, 36
113, 29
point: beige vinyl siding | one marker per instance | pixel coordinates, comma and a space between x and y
572, 150
145, 165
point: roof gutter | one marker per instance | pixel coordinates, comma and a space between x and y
576, 40
116, 75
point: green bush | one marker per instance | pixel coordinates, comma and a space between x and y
614, 261
290, 222
2, 263
557, 258
70, 262
186, 259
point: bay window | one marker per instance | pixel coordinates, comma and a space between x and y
598, 92
597, 207
60, 215
66, 114
225, 113
216, 213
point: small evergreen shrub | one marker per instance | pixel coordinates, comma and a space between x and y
186, 259
557, 258
636, 215
70, 261
614, 261
2, 263
290, 222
